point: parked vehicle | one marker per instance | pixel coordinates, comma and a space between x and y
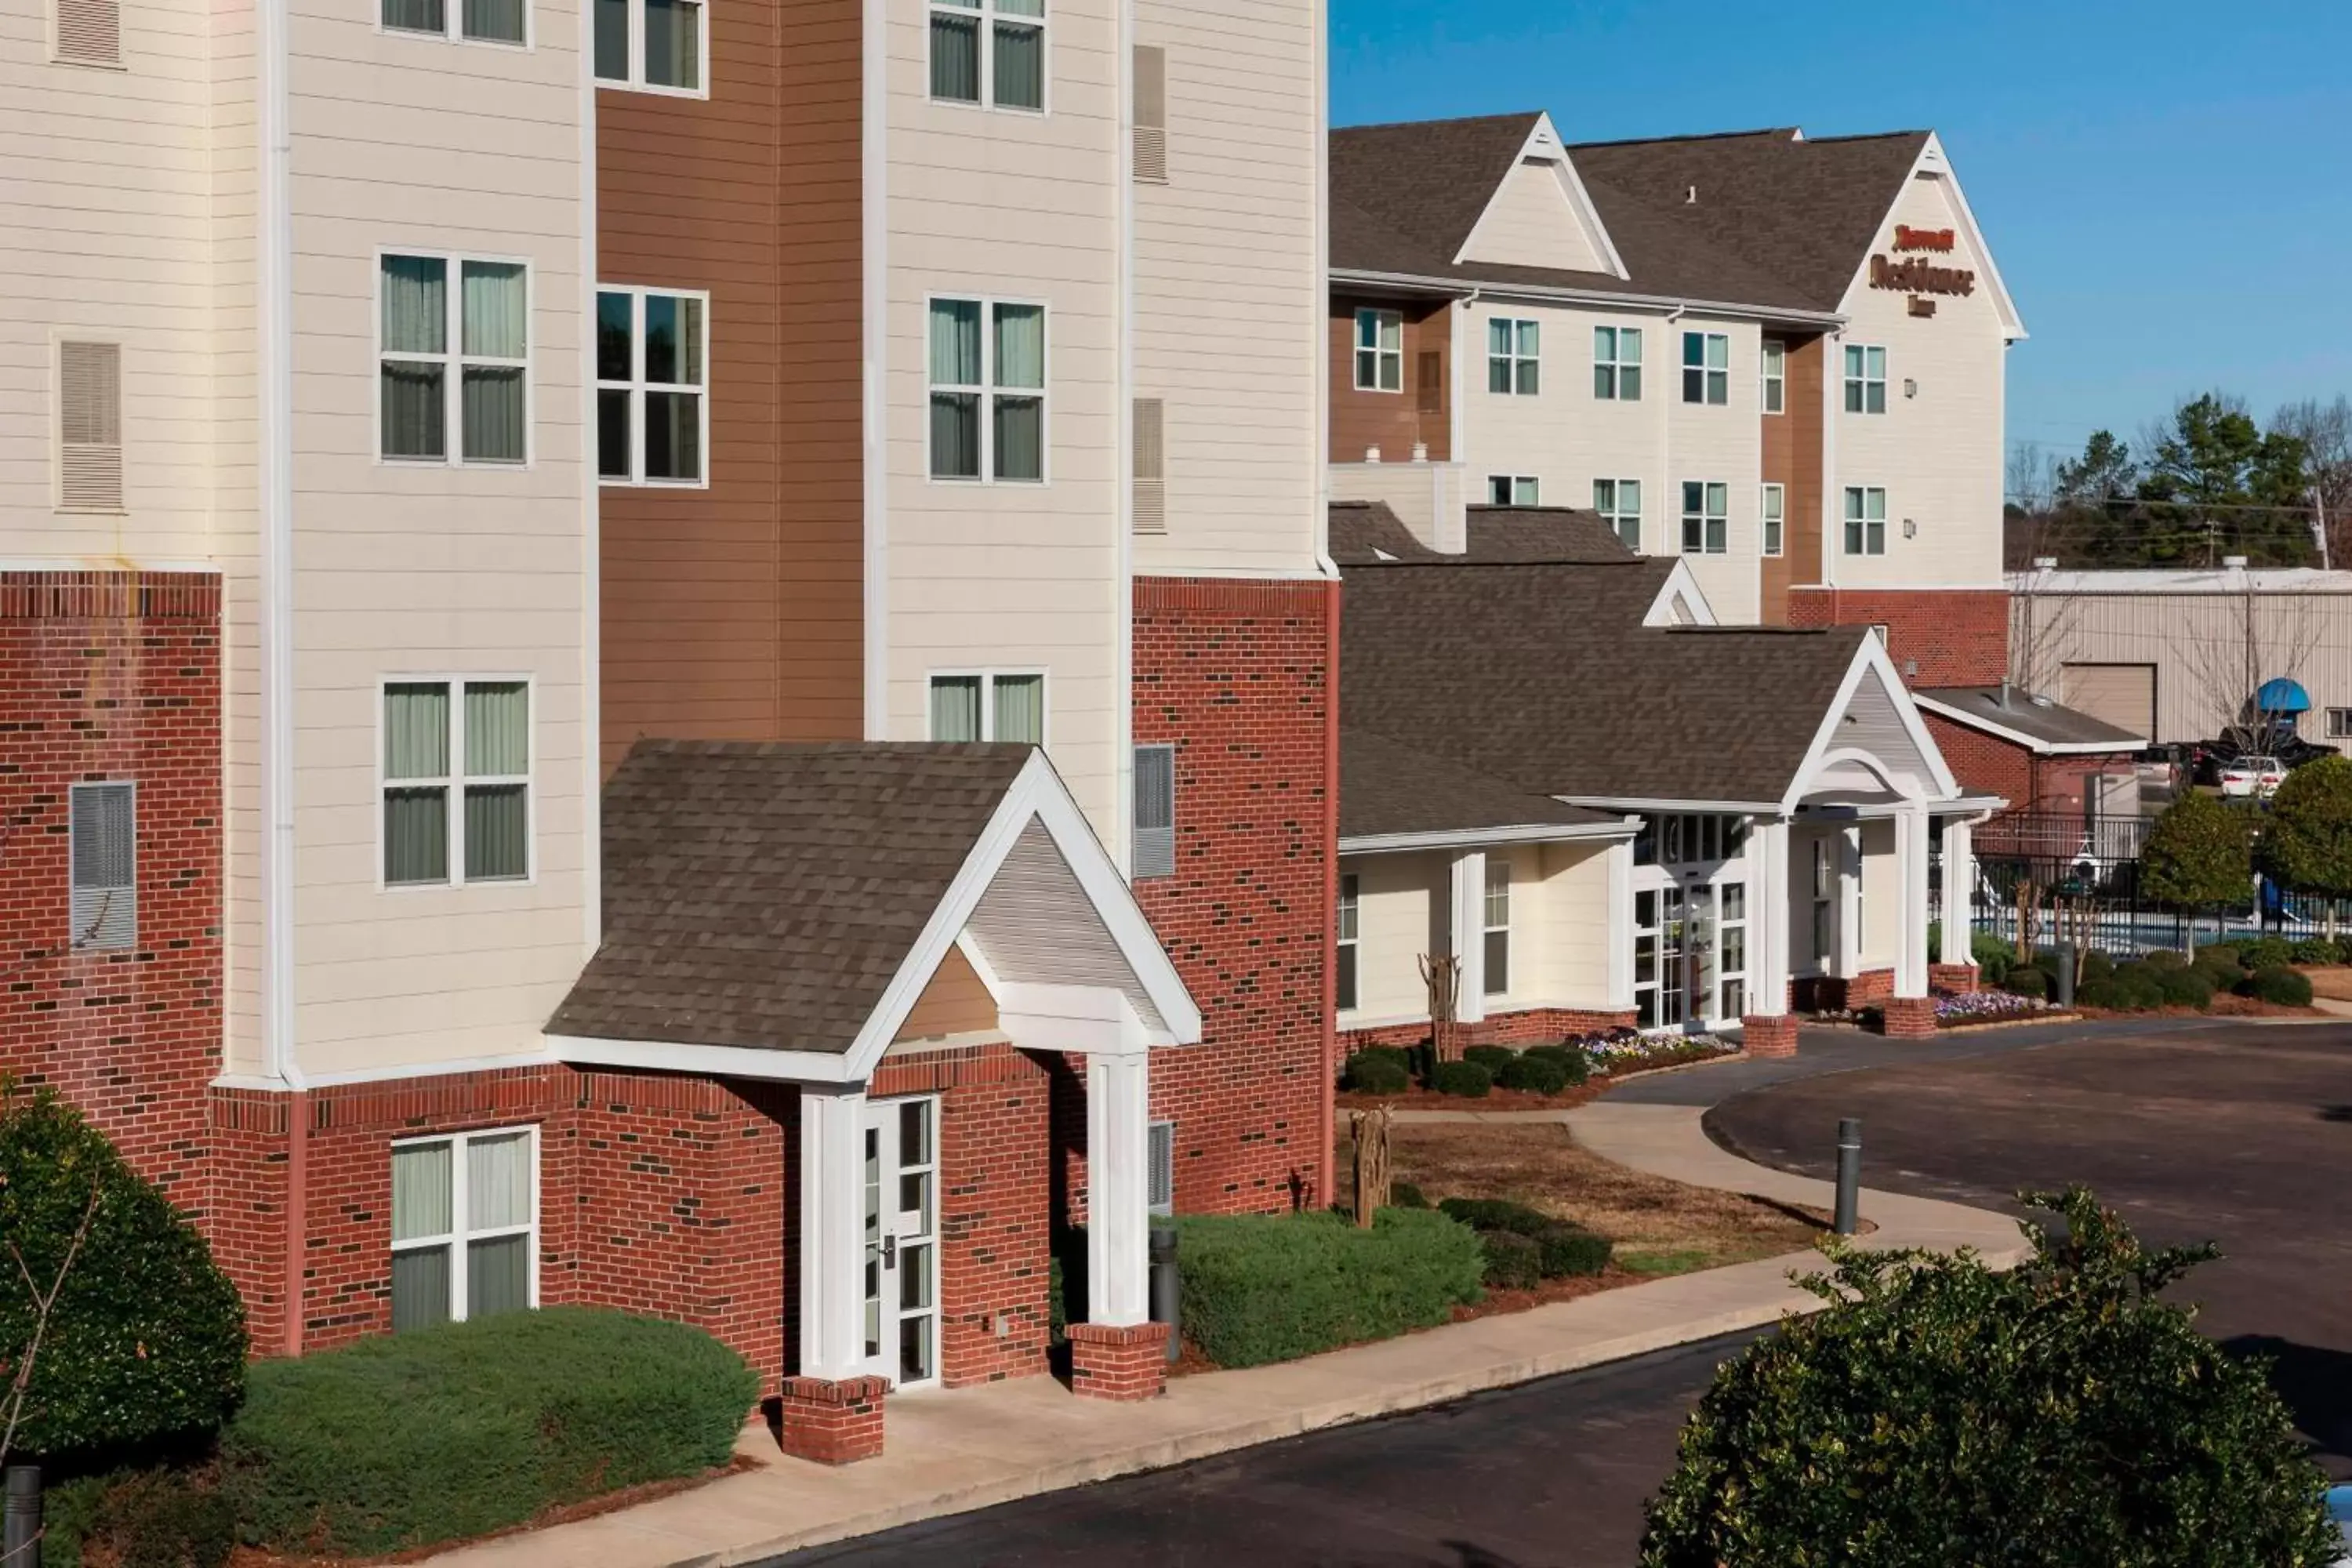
2253, 778
2205, 759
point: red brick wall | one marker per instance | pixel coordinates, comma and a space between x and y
1959, 636
1984, 764
1233, 674
115, 675
1520, 1029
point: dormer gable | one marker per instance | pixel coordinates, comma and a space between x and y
1539, 214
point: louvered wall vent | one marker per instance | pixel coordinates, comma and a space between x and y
89, 32
89, 426
1151, 114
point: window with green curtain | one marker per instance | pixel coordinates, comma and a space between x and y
498, 1196
416, 816
1019, 79
955, 51
421, 1202
674, 44
612, 40
1020, 364
1021, 709
495, 21
416, 322
494, 326
955, 363
415, 17
498, 816
955, 708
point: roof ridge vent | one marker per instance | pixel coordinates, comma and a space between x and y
1690, 195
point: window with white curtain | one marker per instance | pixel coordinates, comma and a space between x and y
988, 390
986, 705
1775, 362
1498, 927
1160, 1188
989, 52
1513, 356
653, 46
457, 782
1513, 490
1771, 509
1619, 502
1617, 364
1865, 519
471, 21
1706, 368
1706, 518
465, 1226
1345, 943
455, 360
1379, 351
653, 419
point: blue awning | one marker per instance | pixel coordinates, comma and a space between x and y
2282, 696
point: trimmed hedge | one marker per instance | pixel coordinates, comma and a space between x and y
2265, 952
411, 1439
1513, 1262
145, 1345
2314, 950
1538, 1074
2282, 985
1494, 1058
2163, 958
2026, 981
1466, 1077
1571, 1060
2097, 965
1564, 1248
2220, 954
1269, 1288
2184, 988
1376, 1072
1994, 956
1406, 1196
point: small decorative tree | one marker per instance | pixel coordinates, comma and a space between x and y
1441, 975
1372, 1187
1939, 1412
2197, 857
2307, 840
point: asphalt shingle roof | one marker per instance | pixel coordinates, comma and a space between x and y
1368, 533
2013, 708
1544, 678
1388, 787
763, 893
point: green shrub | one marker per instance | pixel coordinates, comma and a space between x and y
1368, 1072
161, 1519
2184, 988
410, 1439
1494, 1214
2280, 984
2265, 952
2100, 994
2064, 1416
2139, 986
1538, 1074
1466, 1079
1492, 1057
1406, 1196
1993, 956
1565, 1248
2344, 949
2026, 981
1400, 1055
2220, 955
2314, 950
1573, 1062
145, 1344
1268, 1287
2163, 958
1513, 1262
2097, 965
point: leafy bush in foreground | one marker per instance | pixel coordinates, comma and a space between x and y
1269, 1288
2282, 985
1941, 1413
1465, 1079
1376, 1072
443, 1433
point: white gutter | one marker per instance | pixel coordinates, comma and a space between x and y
1571, 295
274, 307
1635, 803
1471, 838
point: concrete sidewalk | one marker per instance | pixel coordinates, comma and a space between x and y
951, 1452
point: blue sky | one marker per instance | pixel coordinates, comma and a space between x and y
2167, 186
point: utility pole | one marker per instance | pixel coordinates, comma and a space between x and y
2319, 523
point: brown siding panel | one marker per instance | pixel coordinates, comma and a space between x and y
1392, 421
1792, 460
736, 612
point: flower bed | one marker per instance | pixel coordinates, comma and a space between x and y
1988, 1007
1623, 1051
1506, 1077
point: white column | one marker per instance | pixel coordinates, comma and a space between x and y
1959, 891
1118, 1198
1768, 917
1850, 902
1620, 927
1911, 888
1468, 931
833, 1232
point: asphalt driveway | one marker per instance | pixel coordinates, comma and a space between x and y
2237, 1133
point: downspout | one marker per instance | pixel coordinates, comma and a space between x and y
1670, 516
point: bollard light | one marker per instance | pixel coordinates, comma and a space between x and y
1849, 1173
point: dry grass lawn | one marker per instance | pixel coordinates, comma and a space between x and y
1659, 1226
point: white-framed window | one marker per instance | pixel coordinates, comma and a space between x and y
1865, 519
465, 1226
1866, 379
989, 705
651, 45
1345, 943
1882, 632
1617, 363
988, 390
1619, 502
1379, 351
1153, 850
453, 360
1499, 928
989, 52
1515, 356
102, 856
653, 357
464, 21
1512, 489
1706, 368
2339, 723
1731, 948
1771, 509
1706, 517
1824, 900
1159, 1183
455, 781
1774, 389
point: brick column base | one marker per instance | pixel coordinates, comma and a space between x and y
1123, 1363
1770, 1033
1909, 1018
1956, 978
833, 1423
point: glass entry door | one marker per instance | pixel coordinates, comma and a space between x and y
1659, 933
901, 1241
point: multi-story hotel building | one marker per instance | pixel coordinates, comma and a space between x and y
866, 454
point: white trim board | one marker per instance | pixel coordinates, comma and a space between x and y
1471, 838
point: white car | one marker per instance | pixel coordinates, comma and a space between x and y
2250, 777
